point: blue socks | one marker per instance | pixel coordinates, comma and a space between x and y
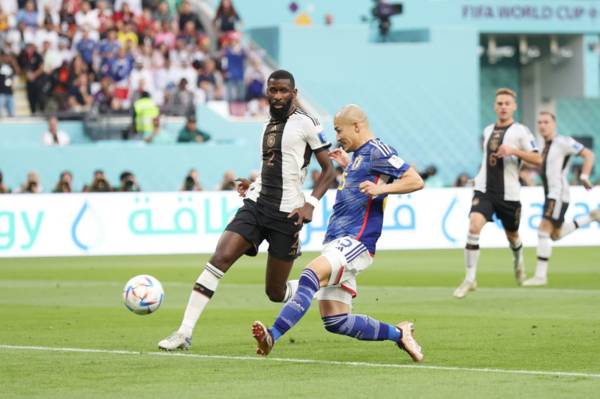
296, 307
353, 325
361, 327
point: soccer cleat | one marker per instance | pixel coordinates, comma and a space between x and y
407, 342
464, 288
535, 282
263, 337
595, 215
175, 341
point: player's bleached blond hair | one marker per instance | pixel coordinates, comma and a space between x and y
352, 113
506, 91
550, 114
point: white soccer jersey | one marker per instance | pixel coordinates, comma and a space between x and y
500, 176
286, 148
557, 156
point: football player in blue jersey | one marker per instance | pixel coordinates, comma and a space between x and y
374, 171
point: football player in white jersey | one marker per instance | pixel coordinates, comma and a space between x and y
274, 208
557, 157
497, 189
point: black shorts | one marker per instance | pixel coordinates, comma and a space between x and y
554, 211
509, 212
255, 224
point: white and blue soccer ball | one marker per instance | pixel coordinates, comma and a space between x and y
143, 294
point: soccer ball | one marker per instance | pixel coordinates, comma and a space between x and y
143, 294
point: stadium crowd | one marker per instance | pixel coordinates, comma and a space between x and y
100, 55
101, 184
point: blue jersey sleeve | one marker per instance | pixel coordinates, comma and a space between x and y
385, 161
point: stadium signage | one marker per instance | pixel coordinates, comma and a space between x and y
529, 12
168, 223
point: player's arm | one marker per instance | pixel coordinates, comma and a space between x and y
409, 182
327, 176
588, 162
531, 157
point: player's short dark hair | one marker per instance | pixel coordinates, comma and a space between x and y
550, 114
283, 74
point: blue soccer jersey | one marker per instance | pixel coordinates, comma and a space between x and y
356, 214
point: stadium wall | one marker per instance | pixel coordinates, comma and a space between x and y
168, 223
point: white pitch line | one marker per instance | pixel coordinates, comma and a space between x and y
307, 361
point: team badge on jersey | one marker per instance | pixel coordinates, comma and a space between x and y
357, 162
494, 141
322, 138
271, 139
396, 161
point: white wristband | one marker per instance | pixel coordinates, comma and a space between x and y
584, 177
314, 201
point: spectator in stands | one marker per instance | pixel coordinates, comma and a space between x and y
127, 36
145, 111
104, 100
128, 182
31, 63
32, 184
191, 134
28, 15
165, 35
53, 136
187, 14
3, 188
192, 181
8, 72
60, 81
226, 19
86, 18
254, 80
210, 80
80, 98
181, 102
99, 183
104, 15
234, 58
64, 184
109, 47
163, 14
228, 182
462, 180
86, 48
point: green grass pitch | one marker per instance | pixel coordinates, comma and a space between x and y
474, 343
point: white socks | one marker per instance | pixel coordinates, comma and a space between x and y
290, 289
517, 251
569, 227
205, 287
471, 256
544, 251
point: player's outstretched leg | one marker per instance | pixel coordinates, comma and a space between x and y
544, 250
290, 314
203, 291
366, 328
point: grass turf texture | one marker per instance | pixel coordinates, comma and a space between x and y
76, 303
